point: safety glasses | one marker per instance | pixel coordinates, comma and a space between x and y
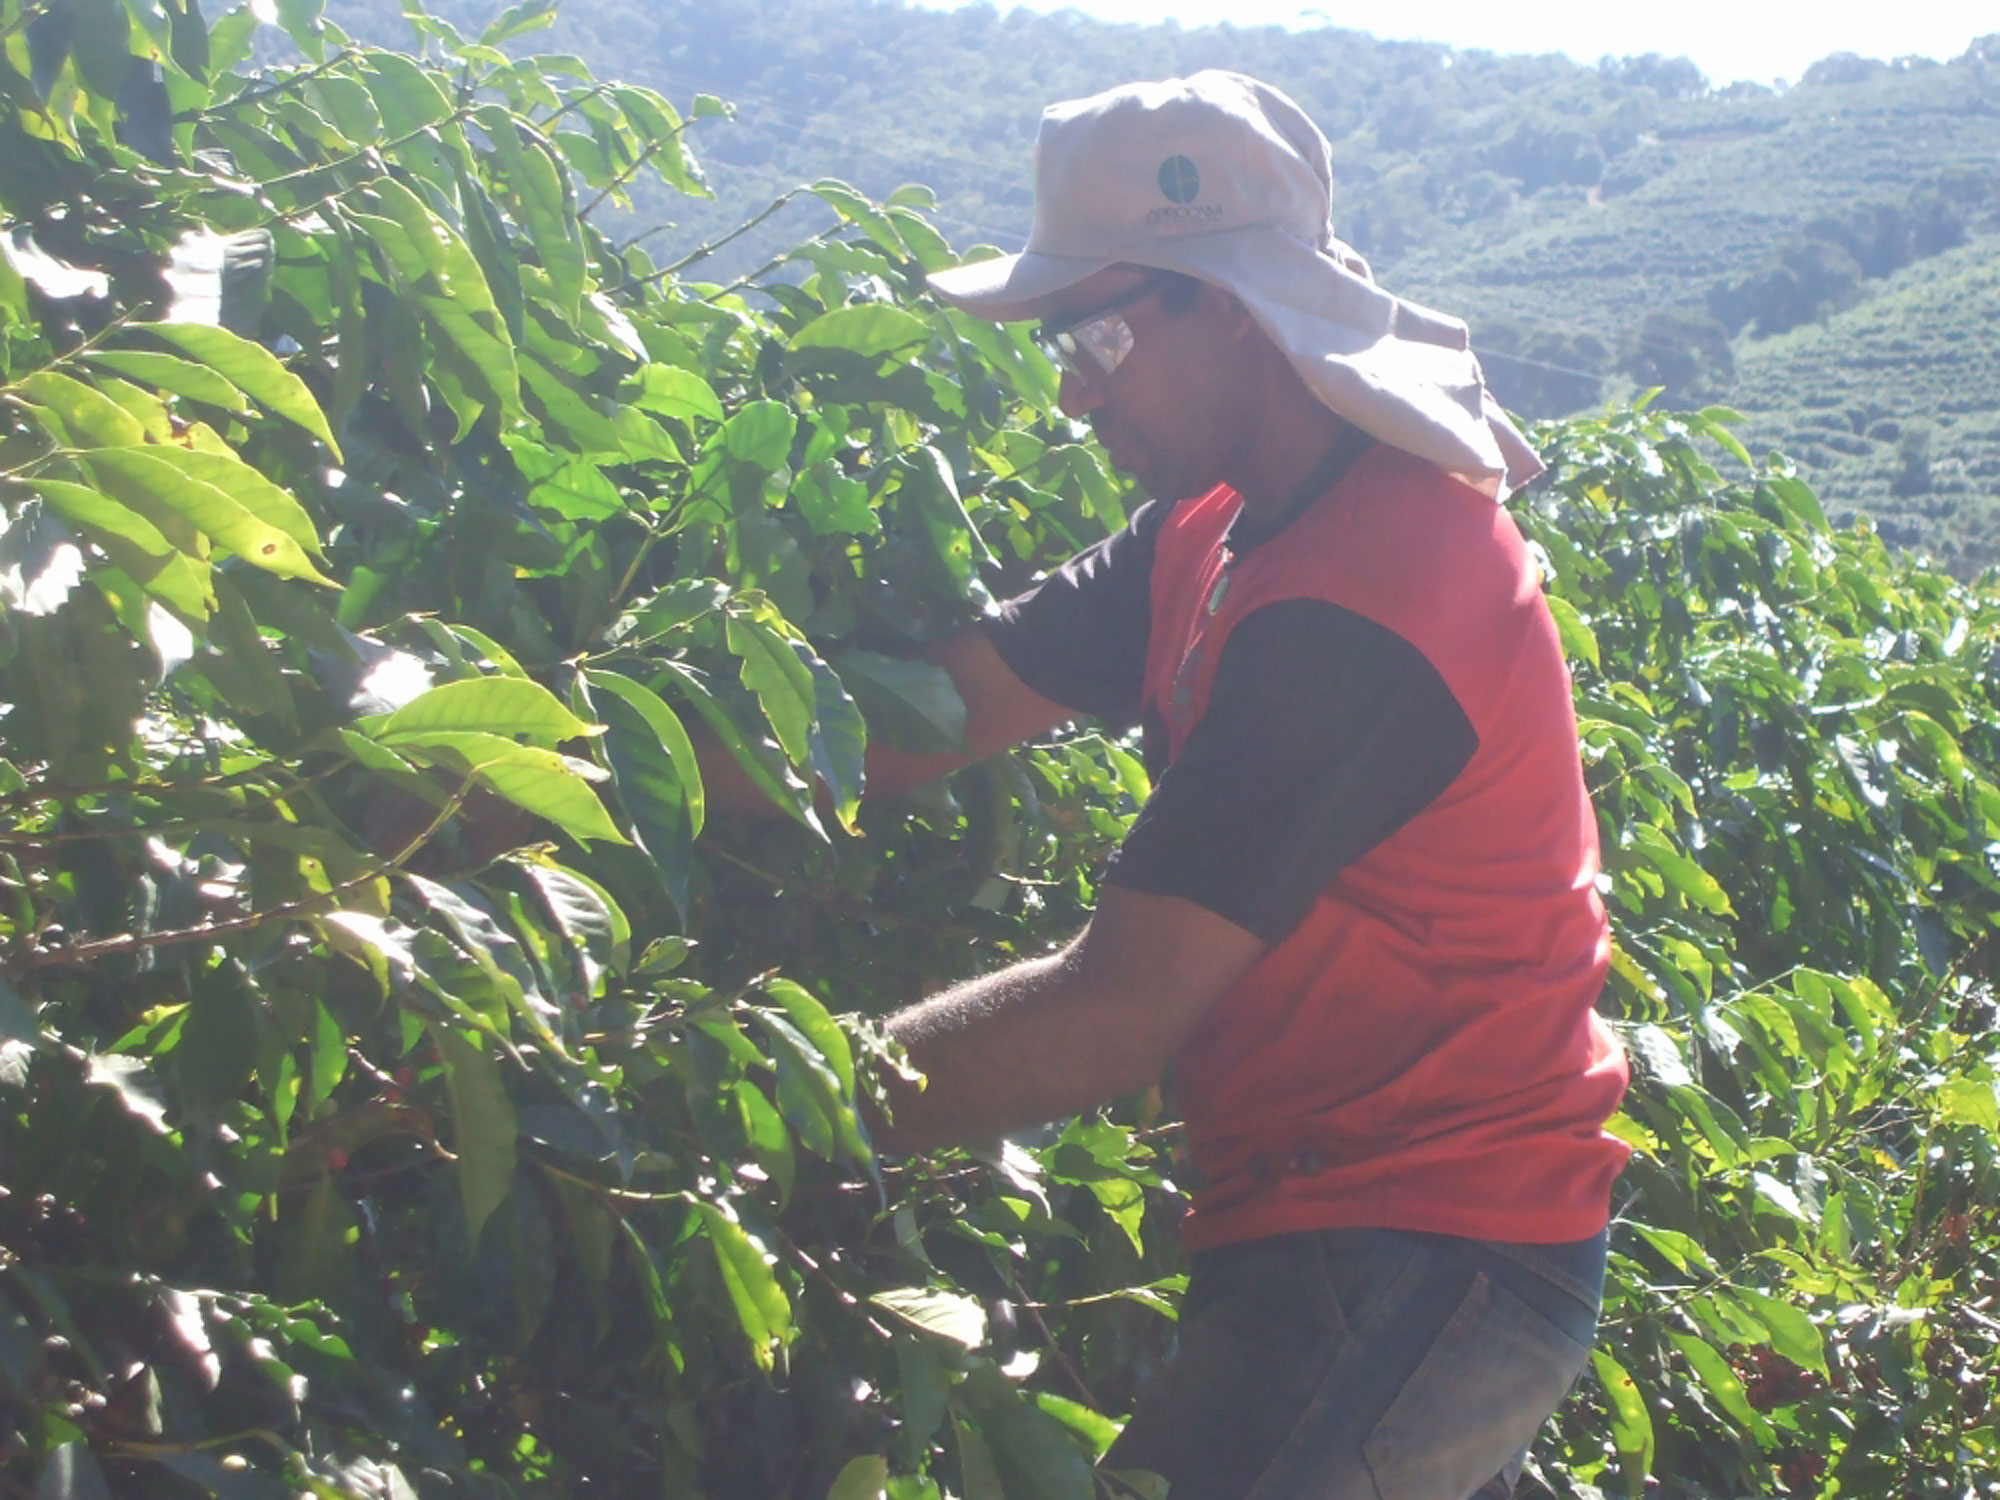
1093, 344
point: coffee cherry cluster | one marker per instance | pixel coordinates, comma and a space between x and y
1771, 1380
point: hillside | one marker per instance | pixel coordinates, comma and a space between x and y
1891, 405
1602, 228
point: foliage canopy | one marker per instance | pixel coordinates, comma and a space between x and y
407, 1086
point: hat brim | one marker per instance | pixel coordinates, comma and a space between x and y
1011, 288
1398, 371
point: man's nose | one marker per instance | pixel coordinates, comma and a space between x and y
1079, 396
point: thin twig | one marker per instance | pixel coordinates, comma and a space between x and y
621, 1195
282, 86
135, 942
651, 149
593, 92
456, 117
136, 1448
797, 252
703, 252
1063, 1363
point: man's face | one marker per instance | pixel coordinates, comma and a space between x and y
1171, 413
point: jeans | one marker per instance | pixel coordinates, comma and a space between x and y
1365, 1364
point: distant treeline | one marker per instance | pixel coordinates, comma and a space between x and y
1602, 227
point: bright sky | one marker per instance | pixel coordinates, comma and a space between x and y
1727, 39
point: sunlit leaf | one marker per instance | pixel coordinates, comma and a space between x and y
951, 1316
252, 369
761, 1305
493, 705
1631, 1423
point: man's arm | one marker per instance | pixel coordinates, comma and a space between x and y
1048, 1037
1000, 711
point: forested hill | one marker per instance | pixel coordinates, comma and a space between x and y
1819, 256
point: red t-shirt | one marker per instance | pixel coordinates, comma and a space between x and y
1365, 752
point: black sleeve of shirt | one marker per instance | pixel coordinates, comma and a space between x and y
1324, 734
1079, 636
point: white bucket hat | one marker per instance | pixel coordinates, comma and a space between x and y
1224, 178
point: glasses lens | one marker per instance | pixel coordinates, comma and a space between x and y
1060, 345
1092, 349
1108, 338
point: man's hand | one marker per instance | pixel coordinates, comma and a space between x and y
1051, 1036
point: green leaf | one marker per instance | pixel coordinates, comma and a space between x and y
672, 608
544, 782
865, 1478
409, 95
817, 1026
839, 739
1631, 1423
329, 1053
588, 429
483, 1126
169, 372
253, 370
1968, 1101
1797, 497
264, 500
911, 704
1721, 1382
782, 682
1093, 1427
148, 479
658, 124
834, 503
1681, 872
648, 785
765, 1131
670, 391
1579, 642
932, 489
760, 1303
857, 210
218, 1049
787, 792
548, 211
491, 705
870, 329
86, 416
518, 20
760, 433
670, 733
477, 932
1793, 1333
976, 1469
809, 1090
587, 917
1034, 1453
135, 544
949, 1316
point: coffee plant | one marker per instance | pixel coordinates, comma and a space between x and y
413, 1082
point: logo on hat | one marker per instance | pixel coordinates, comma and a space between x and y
1180, 180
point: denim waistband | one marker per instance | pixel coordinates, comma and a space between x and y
1576, 1267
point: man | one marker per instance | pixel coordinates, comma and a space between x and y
1357, 919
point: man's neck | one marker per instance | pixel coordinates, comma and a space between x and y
1291, 447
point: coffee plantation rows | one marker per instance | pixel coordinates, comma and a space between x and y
409, 1086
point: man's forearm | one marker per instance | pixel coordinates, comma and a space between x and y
1032, 1042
